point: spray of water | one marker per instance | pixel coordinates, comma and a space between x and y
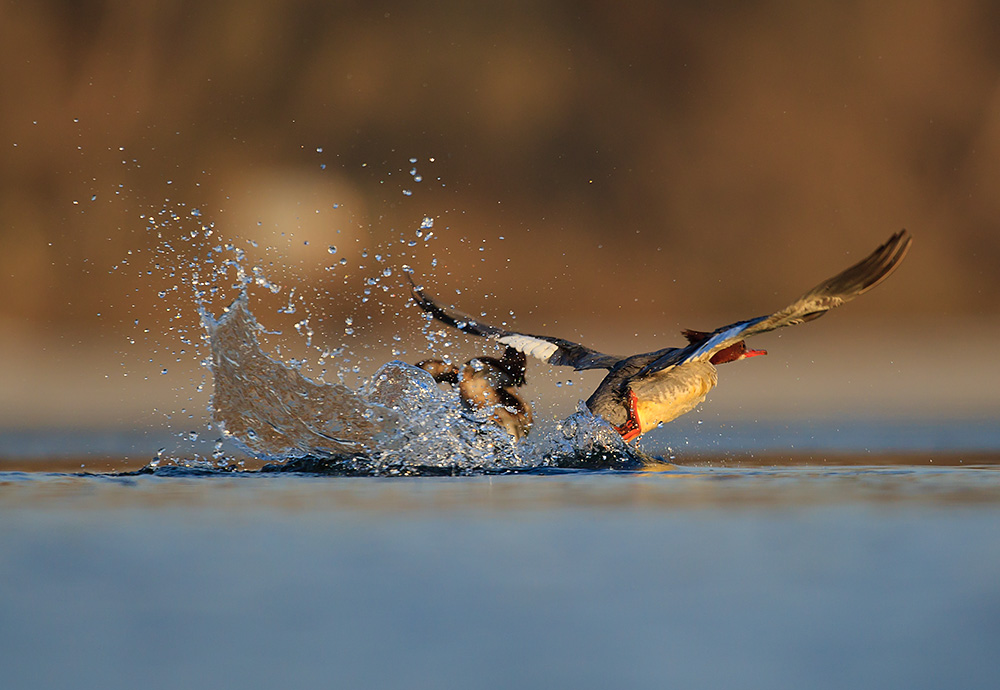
296, 396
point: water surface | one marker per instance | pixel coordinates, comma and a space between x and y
739, 572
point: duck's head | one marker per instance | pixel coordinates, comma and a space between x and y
441, 371
734, 352
737, 350
516, 365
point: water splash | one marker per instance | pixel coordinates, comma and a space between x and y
400, 422
269, 394
275, 411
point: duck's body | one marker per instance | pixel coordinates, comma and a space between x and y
634, 403
645, 390
488, 383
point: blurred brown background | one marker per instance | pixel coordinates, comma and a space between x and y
648, 165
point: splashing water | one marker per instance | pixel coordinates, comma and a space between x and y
277, 407
273, 409
400, 422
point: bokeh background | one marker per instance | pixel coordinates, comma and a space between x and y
607, 172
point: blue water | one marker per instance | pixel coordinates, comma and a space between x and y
710, 577
685, 437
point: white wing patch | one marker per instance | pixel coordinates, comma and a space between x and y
542, 349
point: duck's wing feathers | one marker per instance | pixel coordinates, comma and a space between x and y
554, 351
841, 288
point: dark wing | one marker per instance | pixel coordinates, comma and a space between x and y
552, 350
841, 288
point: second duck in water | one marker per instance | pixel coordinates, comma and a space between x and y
488, 383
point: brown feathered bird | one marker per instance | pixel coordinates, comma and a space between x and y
488, 383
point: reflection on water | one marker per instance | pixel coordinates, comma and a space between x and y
816, 442
751, 577
665, 487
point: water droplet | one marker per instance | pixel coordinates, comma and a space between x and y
407, 192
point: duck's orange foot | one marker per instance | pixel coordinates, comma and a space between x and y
631, 428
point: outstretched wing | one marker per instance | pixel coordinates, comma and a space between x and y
841, 288
548, 349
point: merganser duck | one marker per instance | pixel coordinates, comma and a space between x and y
488, 383
643, 391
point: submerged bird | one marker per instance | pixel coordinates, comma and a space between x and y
643, 391
488, 383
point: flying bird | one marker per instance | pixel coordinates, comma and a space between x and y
645, 390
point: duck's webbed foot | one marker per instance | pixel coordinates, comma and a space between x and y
630, 429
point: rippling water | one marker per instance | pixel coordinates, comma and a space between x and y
752, 576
